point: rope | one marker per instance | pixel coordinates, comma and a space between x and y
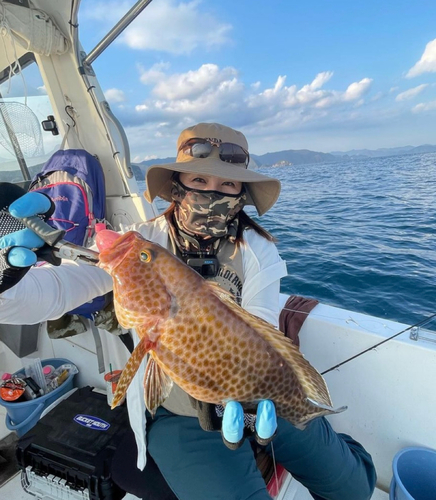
14, 66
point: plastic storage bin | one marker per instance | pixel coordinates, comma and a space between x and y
414, 474
21, 417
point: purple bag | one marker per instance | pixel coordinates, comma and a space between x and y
74, 180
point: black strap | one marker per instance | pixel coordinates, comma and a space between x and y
127, 340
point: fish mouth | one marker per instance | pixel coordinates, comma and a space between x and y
112, 256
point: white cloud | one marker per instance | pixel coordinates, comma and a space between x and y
188, 85
427, 63
411, 93
318, 82
153, 75
357, 89
211, 93
114, 95
210, 84
139, 159
422, 107
167, 25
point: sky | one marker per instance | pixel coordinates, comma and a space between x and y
322, 75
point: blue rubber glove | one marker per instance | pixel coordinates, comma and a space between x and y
22, 241
233, 426
16, 241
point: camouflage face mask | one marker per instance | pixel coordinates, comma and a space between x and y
205, 213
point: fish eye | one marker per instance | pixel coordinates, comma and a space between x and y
145, 256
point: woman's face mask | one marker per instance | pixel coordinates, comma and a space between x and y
205, 213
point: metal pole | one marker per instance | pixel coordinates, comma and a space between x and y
116, 30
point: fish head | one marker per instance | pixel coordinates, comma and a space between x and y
141, 296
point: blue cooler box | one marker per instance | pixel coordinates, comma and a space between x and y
21, 417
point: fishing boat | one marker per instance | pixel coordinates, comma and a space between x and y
383, 371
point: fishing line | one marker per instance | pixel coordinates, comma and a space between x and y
274, 464
416, 325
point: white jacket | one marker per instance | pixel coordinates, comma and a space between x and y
48, 292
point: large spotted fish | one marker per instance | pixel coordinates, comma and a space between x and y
199, 338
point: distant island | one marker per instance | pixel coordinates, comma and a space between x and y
290, 157
279, 159
374, 153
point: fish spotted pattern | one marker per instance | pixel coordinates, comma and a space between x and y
200, 339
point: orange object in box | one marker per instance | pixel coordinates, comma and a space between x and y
12, 389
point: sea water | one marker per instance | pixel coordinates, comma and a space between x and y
359, 234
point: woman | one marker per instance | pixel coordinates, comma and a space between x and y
206, 226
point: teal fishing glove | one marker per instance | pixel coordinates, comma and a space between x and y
237, 425
16, 241
266, 422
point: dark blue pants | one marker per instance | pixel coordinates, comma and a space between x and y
197, 465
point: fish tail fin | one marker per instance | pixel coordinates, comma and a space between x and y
130, 370
325, 407
319, 410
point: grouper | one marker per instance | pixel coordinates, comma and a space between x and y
196, 336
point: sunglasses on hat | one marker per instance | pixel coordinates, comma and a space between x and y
202, 148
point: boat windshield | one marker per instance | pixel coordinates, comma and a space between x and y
24, 104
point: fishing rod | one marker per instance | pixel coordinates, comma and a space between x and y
416, 325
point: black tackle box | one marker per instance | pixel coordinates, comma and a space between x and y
68, 453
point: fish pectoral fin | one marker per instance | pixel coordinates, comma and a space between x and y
130, 370
157, 386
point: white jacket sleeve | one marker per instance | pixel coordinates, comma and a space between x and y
263, 269
47, 292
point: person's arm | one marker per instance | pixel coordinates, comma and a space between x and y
29, 294
48, 292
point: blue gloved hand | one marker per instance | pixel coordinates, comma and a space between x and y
16, 241
234, 428
24, 240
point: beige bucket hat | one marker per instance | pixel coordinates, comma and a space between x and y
263, 191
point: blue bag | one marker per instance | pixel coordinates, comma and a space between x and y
74, 180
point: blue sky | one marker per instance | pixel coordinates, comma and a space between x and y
321, 75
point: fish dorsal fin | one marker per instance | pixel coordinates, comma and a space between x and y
310, 379
157, 385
